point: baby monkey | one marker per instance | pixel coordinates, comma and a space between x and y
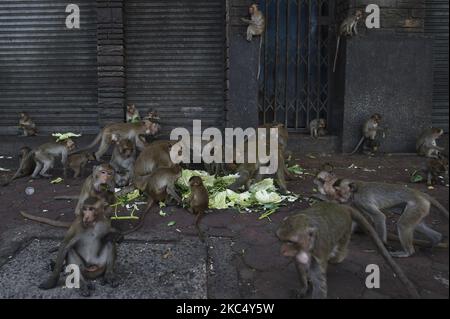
27, 125
370, 135
426, 143
318, 128
90, 244
198, 201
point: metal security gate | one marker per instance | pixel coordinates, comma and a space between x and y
436, 25
46, 69
294, 82
176, 60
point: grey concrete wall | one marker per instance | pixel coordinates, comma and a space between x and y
242, 84
390, 75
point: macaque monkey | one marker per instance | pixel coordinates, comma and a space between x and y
100, 184
90, 243
27, 125
44, 158
283, 137
199, 200
324, 182
26, 165
437, 171
317, 128
154, 156
122, 160
426, 143
249, 172
131, 131
372, 198
320, 235
348, 28
78, 161
256, 23
159, 185
132, 115
370, 133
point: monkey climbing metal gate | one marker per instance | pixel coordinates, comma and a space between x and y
295, 62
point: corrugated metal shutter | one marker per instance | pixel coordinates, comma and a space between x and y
46, 69
175, 59
436, 24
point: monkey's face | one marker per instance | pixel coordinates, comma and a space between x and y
322, 123
252, 9
89, 215
376, 118
344, 190
195, 181
70, 145
23, 116
437, 132
104, 176
131, 109
126, 148
298, 239
359, 14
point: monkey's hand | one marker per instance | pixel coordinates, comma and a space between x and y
246, 20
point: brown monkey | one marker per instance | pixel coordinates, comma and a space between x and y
27, 125
122, 160
320, 235
317, 128
437, 170
44, 157
249, 172
132, 115
348, 28
283, 137
26, 165
90, 243
158, 187
199, 199
325, 181
154, 156
256, 23
100, 184
131, 131
161, 184
77, 162
372, 198
426, 143
370, 133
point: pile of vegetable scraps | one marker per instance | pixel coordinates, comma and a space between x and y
261, 197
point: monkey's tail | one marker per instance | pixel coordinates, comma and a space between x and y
259, 58
358, 146
47, 221
94, 142
438, 205
337, 53
362, 221
74, 197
